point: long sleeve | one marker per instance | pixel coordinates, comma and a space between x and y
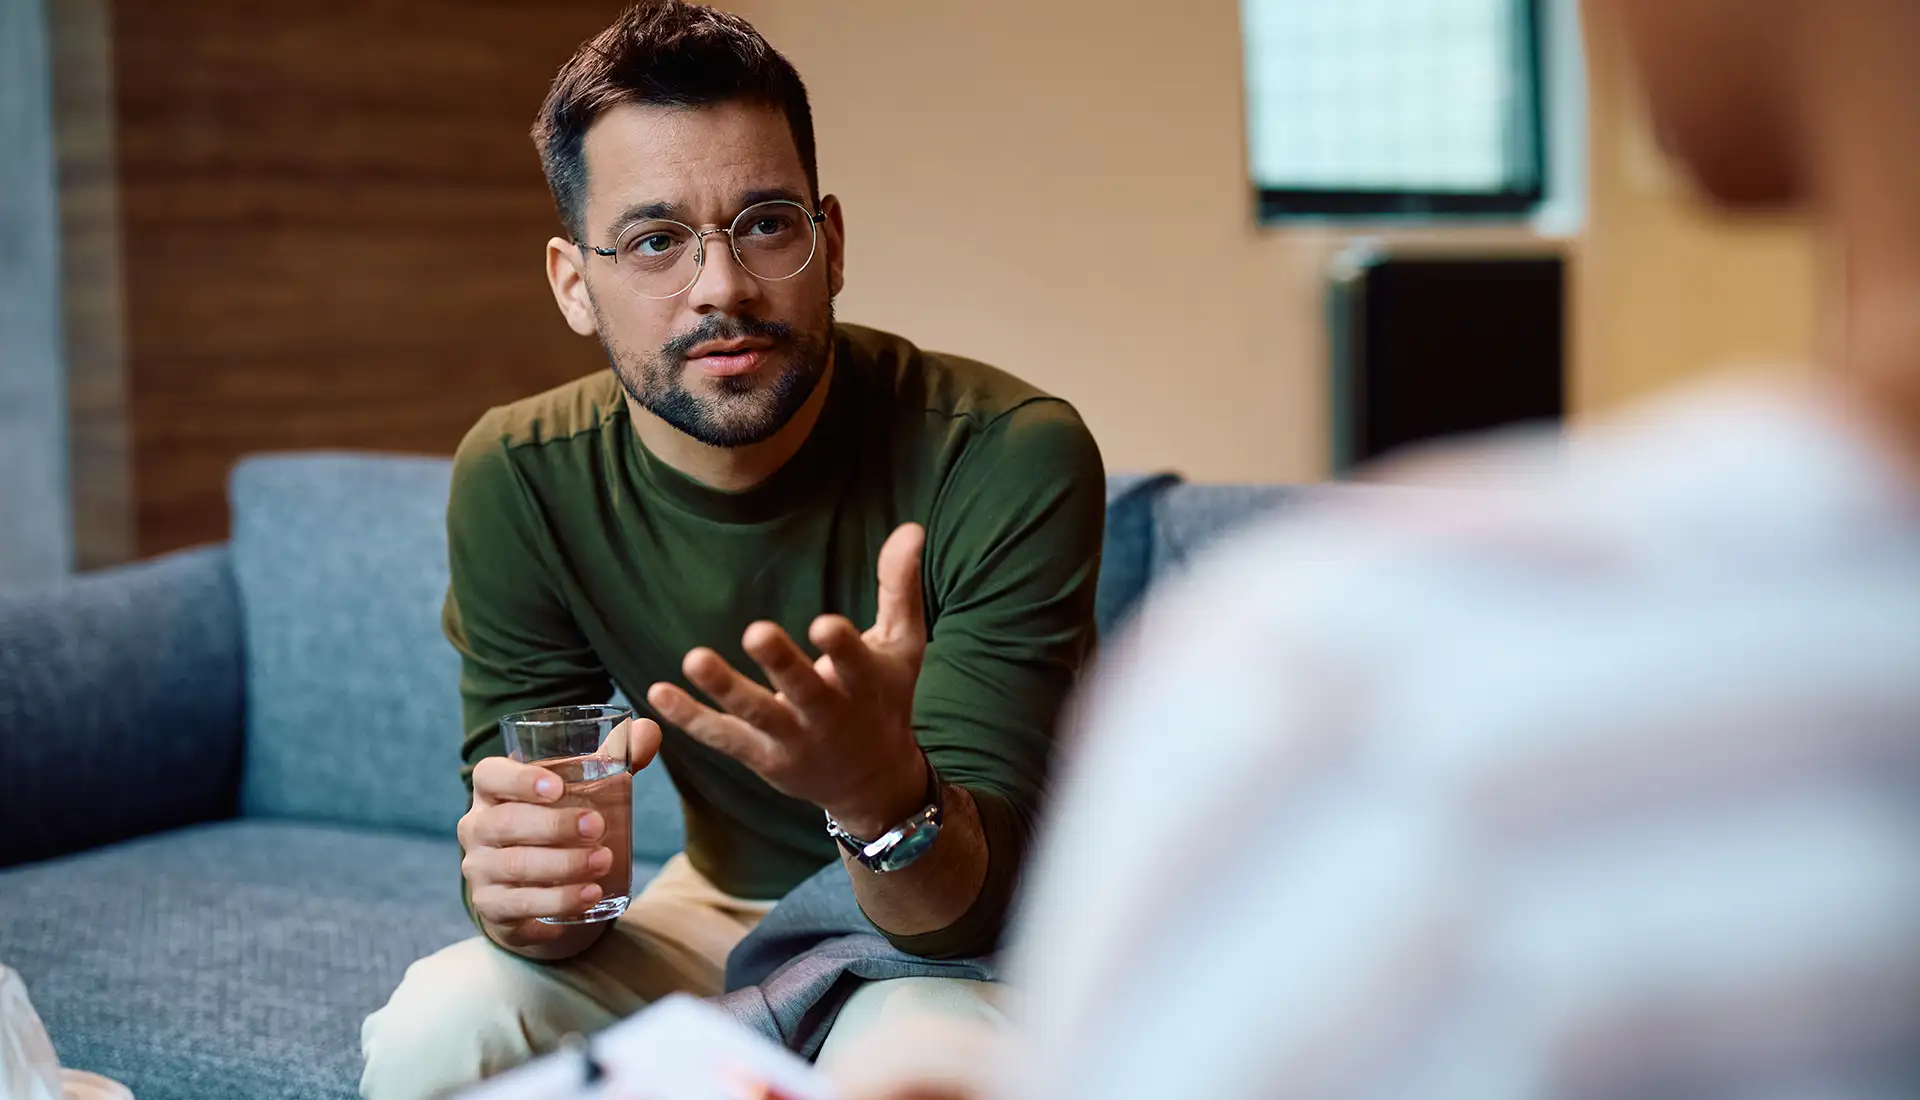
519, 645
1013, 558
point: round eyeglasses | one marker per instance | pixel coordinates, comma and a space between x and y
659, 258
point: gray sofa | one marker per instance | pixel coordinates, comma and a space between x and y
229, 777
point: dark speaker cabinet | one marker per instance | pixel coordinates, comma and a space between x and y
1425, 347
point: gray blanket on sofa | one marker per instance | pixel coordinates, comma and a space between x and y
791, 976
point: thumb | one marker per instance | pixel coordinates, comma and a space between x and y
902, 615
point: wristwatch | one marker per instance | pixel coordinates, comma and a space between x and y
899, 846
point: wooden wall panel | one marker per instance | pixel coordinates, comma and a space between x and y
332, 226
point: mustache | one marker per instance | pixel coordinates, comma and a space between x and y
725, 328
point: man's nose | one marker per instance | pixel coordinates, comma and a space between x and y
722, 285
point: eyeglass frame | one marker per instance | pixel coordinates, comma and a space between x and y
815, 219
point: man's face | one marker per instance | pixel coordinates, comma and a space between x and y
731, 360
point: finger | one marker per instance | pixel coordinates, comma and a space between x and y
506, 904
512, 824
524, 866
498, 779
637, 741
829, 675
739, 696
721, 732
787, 667
854, 662
901, 616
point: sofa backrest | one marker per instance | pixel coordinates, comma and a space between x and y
353, 697
1187, 519
353, 702
1157, 524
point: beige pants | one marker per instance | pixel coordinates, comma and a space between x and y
472, 1010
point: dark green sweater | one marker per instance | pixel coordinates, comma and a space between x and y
581, 561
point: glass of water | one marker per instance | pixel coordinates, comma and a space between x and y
588, 747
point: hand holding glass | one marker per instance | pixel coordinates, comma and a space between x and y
591, 751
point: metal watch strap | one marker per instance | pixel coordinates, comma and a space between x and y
874, 854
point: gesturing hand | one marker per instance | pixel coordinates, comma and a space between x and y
837, 731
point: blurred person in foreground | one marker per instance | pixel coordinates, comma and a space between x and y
748, 478
1592, 771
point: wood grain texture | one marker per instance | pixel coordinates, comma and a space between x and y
332, 231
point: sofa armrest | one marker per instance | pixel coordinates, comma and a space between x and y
121, 704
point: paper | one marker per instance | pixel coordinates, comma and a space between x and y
678, 1049
28, 1068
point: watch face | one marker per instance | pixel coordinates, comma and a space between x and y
911, 847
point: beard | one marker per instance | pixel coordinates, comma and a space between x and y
741, 410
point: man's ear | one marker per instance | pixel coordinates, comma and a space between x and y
568, 278
836, 230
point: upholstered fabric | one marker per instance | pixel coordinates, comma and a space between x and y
353, 704
233, 960
353, 692
120, 705
1126, 557
1186, 518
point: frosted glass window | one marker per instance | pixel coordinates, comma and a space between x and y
1372, 106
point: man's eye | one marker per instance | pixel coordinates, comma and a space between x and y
770, 225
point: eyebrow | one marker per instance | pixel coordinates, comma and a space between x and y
644, 212
752, 198
666, 211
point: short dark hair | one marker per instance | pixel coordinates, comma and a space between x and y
662, 53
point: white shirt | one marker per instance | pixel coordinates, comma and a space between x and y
1591, 771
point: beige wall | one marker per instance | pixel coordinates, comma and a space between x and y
1666, 290
1059, 187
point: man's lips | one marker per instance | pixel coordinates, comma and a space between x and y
723, 358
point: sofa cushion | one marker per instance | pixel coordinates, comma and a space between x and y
353, 699
353, 693
233, 960
1126, 555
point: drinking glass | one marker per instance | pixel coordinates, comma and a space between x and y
588, 748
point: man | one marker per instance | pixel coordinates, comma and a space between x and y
750, 478
1589, 773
